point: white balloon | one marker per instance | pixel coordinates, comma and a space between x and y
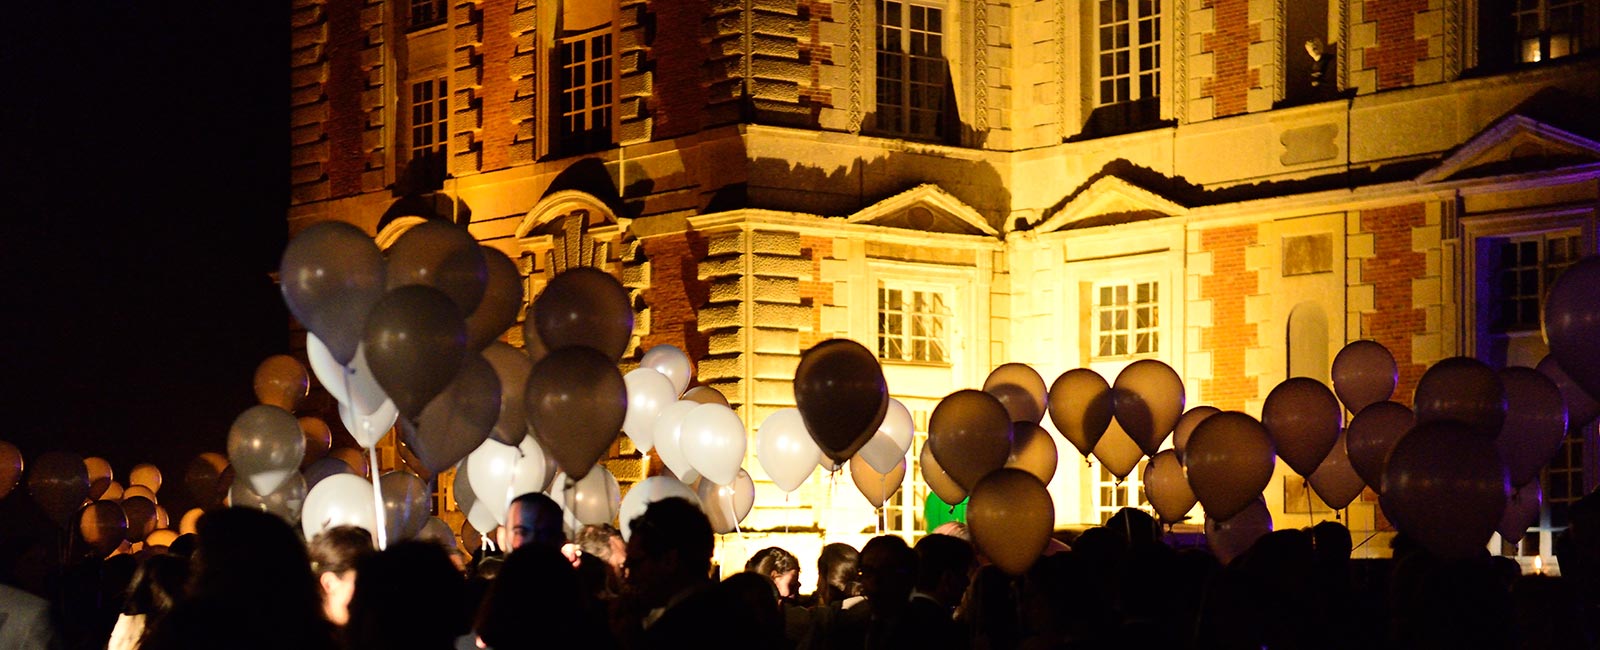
785, 450
339, 500
648, 392
368, 428
531, 473
727, 505
594, 500
490, 470
352, 385
478, 512
666, 434
672, 363
713, 438
889, 445
649, 491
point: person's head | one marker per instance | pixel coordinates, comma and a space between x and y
251, 556
533, 518
536, 601
888, 572
156, 587
669, 549
604, 541
334, 555
1331, 542
407, 596
943, 566
953, 529
838, 573
781, 567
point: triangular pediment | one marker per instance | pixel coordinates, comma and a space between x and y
1109, 200
925, 208
1514, 144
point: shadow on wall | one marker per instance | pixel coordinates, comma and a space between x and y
676, 292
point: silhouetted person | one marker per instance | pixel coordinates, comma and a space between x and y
669, 567
537, 601
944, 566
1578, 553
334, 554
751, 597
988, 613
888, 575
533, 518
407, 597
838, 574
157, 587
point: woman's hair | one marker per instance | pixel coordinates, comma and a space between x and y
536, 601
339, 549
407, 596
838, 575
157, 587
772, 561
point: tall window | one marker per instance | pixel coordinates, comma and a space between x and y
1127, 320
587, 90
430, 124
1129, 39
1523, 267
911, 69
1547, 29
427, 13
912, 325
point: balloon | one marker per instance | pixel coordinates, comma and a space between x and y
139, 491
727, 505
1522, 512
323, 468
186, 525
876, 487
1462, 389
502, 300
351, 385
533, 472
490, 470
458, 420
584, 306
113, 490
11, 467
141, 514
442, 256
1230, 538
1364, 373
1446, 487
1080, 407
368, 428
1572, 323
1020, 389
1303, 418
1230, 460
842, 396
332, 275
667, 432
147, 475
285, 502
1147, 400
576, 402
438, 532
970, 433
319, 438
935, 513
672, 363
1167, 487
59, 483
1336, 480
648, 392
339, 500
512, 367
942, 485
592, 501
265, 446
99, 476
714, 440
415, 342
407, 505
479, 514
281, 381
785, 450
103, 526
1011, 517
1117, 452
646, 492
1535, 425
1372, 434
162, 537
1032, 450
1581, 408
889, 445
1185, 427
705, 395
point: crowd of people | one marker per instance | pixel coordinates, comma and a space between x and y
246, 580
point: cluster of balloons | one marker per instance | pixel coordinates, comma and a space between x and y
82, 496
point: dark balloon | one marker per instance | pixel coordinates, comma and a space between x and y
842, 396
587, 307
1446, 487
459, 419
1020, 389
1463, 389
1080, 407
1147, 400
1364, 373
1372, 435
443, 256
207, 479
59, 483
576, 401
502, 301
1572, 323
1303, 418
1230, 460
970, 434
415, 343
332, 274
1535, 426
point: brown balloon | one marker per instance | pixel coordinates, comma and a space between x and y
1446, 487
970, 433
1230, 461
460, 418
1033, 450
706, 395
531, 344
1020, 389
1147, 400
1303, 418
587, 307
1462, 389
1080, 407
842, 396
204, 479
1011, 517
100, 476
319, 439
502, 300
442, 256
876, 487
1167, 486
1572, 323
1372, 434
1117, 452
1230, 538
59, 483
1364, 373
1581, 408
355, 459
10, 467
576, 402
415, 343
141, 514
332, 275
281, 381
938, 481
1535, 425
1522, 512
103, 527
1336, 480
1186, 424
512, 367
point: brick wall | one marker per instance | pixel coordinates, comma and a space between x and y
817, 291
1395, 320
1229, 46
496, 98
679, 56
676, 292
1230, 334
345, 83
1396, 43
308, 102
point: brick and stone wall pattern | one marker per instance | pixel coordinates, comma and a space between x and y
1231, 335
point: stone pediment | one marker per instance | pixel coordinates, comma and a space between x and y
1109, 200
925, 208
1514, 144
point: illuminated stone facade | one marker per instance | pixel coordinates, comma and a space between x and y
1054, 182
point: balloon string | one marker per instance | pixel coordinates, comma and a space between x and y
1311, 518
382, 534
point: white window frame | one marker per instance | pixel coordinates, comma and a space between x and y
923, 60
1125, 302
430, 117
910, 317
1137, 33
585, 109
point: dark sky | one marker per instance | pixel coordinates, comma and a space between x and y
145, 166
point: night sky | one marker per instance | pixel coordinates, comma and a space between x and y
146, 161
